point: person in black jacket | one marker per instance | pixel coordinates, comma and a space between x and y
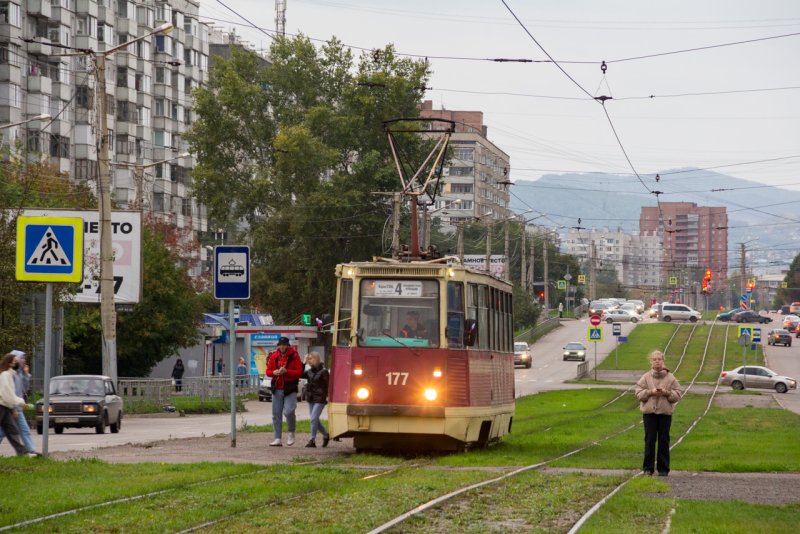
317, 395
177, 375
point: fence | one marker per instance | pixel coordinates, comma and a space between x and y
538, 331
161, 391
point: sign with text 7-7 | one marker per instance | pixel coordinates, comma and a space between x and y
126, 240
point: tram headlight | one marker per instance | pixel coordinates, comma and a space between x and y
451, 273
437, 372
357, 370
431, 394
362, 393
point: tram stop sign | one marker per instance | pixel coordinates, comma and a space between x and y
595, 320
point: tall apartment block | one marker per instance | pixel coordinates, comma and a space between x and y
636, 259
148, 94
478, 175
695, 238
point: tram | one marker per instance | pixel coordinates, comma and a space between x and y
422, 356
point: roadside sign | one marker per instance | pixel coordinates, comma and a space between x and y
562, 284
595, 334
744, 340
784, 285
49, 249
756, 334
568, 277
595, 320
616, 329
673, 280
581, 278
622, 339
746, 331
232, 272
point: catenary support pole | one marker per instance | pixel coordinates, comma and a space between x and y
48, 356
232, 370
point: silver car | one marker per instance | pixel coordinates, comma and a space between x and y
620, 316
575, 351
755, 376
522, 354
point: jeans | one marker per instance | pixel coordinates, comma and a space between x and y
315, 410
24, 431
8, 426
656, 429
283, 406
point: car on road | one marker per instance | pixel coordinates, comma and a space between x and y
265, 392
755, 376
574, 351
784, 309
522, 354
620, 316
790, 323
794, 308
726, 316
750, 316
653, 311
779, 336
81, 401
678, 312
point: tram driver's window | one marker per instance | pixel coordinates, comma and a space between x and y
397, 313
455, 315
344, 317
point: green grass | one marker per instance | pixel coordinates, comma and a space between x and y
189, 405
641, 341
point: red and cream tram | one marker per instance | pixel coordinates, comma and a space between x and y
422, 356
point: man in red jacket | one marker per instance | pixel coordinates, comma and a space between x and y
285, 369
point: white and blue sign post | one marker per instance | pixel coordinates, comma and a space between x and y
49, 249
616, 330
232, 282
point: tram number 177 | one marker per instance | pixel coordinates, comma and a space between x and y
397, 379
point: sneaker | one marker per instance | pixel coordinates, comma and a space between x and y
311, 444
663, 473
647, 472
325, 440
276, 443
290, 439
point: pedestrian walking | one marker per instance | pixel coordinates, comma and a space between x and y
9, 405
560, 310
177, 374
220, 366
22, 382
241, 372
657, 391
317, 394
285, 369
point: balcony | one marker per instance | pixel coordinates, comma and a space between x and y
40, 84
41, 8
40, 47
86, 7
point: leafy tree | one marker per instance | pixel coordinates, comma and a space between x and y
163, 322
27, 184
791, 293
295, 150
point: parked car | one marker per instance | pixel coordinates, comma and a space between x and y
678, 312
749, 316
639, 305
755, 376
81, 401
620, 316
575, 351
522, 354
779, 336
726, 316
265, 393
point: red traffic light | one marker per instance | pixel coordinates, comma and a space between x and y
541, 294
708, 274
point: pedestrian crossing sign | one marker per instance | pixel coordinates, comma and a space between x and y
49, 249
746, 330
595, 334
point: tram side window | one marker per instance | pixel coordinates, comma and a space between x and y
472, 312
345, 314
483, 317
510, 322
455, 315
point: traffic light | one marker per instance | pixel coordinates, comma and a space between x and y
541, 295
708, 274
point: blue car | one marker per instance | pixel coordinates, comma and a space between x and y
726, 316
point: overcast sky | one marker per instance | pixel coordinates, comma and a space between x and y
544, 135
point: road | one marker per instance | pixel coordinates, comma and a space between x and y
549, 370
784, 361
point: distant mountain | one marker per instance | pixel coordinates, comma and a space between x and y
612, 201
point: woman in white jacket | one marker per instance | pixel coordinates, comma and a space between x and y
9, 402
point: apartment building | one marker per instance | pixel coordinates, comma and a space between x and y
148, 94
636, 259
478, 174
695, 238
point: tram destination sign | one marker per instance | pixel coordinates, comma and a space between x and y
394, 288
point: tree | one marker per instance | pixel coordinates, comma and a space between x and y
295, 150
791, 293
164, 321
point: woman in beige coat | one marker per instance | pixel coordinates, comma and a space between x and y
657, 391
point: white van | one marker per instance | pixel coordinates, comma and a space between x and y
677, 312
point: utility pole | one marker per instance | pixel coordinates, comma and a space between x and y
506, 273
531, 279
280, 17
488, 245
523, 270
397, 197
593, 274
546, 284
460, 246
743, 268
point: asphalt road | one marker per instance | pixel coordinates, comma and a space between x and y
784, 361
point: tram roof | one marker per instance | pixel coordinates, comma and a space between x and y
380, 266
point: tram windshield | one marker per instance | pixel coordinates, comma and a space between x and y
399, 313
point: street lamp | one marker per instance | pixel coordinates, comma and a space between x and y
138, 175
108, 316
44, 117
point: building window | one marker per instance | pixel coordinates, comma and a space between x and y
464, 153
85, 169
161, 138
160, 107
59, 146
186, 207
125, 144
9, 14
122, 76
10, 94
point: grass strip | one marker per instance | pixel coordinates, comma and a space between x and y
641, 341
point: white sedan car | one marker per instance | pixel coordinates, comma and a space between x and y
756, 376
620, 316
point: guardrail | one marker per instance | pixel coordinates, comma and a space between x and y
539, 330
160, 391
